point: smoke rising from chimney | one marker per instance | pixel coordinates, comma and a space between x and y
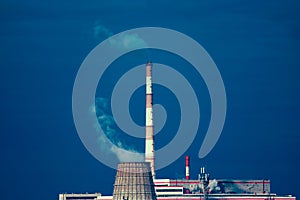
108, 125
122, 42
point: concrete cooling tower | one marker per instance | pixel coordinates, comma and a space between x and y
134, 182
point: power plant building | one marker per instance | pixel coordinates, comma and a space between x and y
137, 180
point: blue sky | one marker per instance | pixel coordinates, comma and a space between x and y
255, 45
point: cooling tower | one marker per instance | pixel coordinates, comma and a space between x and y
134, 182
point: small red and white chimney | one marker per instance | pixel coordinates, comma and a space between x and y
187, 167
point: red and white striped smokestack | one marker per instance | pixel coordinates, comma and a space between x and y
187, 167
149, 146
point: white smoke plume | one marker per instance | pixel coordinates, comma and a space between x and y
108, 126
101, 31
112, 141
123, 155
213, 185
122, 42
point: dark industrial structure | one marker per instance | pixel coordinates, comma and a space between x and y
137, 180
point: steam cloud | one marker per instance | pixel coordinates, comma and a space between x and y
122, 42
108, 126
106, 121
100, 30
213, 186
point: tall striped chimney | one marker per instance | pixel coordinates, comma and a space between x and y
149, 146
